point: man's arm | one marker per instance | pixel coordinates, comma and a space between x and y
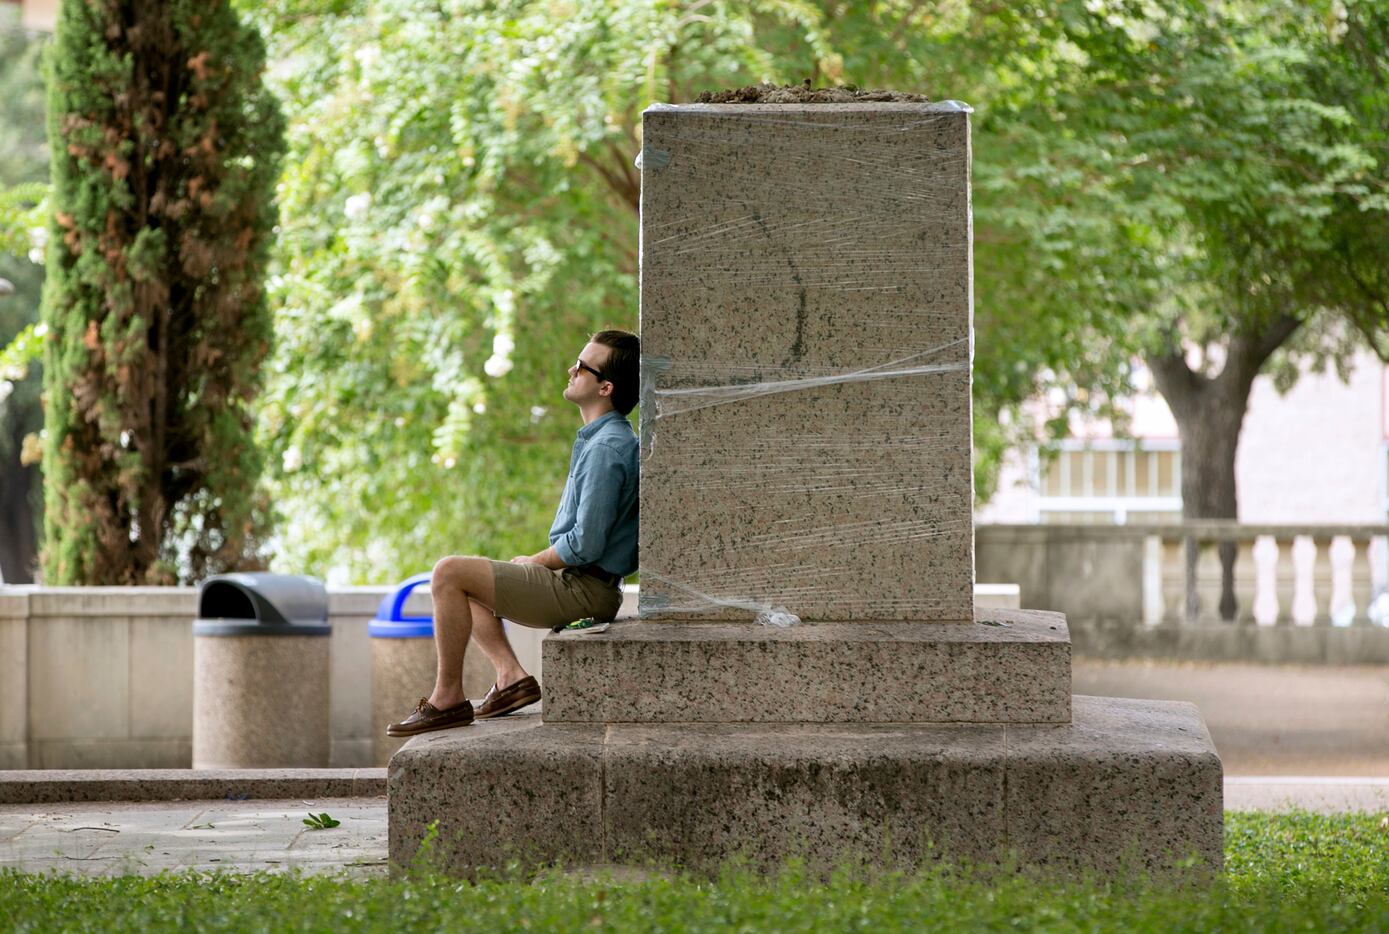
548, 558
599, 477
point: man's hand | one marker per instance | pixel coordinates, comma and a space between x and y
546, 559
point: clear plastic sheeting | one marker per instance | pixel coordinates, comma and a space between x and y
695, 602
806, 329
672, 401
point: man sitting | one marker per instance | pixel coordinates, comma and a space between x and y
593, 546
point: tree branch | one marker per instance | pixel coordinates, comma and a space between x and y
1177, 382
1248, 352
618, 180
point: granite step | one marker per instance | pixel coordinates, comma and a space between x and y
1006, 666
1128, 783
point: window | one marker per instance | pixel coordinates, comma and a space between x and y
1111, 482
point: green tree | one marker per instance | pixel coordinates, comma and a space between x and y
165, 150
461, 203
23, 167
458, 212
1208, 184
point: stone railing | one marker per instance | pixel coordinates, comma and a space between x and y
1267, 574
1188, 590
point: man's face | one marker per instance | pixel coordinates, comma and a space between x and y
584, 387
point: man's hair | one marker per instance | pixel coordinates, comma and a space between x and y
623, 368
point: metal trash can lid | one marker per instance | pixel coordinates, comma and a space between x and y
391, 621
261, 604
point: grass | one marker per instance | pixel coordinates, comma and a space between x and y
1292, 872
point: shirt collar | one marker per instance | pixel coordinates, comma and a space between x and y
591, 429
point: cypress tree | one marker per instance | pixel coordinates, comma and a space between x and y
165, 151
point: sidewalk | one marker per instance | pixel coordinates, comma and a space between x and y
1322, 795
118, 838
144, 838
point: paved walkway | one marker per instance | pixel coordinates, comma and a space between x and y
246, 836
149, 837
1322, 795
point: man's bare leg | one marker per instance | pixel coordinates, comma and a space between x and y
490, 635
455, 582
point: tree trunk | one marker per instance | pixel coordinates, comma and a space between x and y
18, 538
1209, 411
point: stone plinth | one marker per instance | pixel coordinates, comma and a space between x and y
806, 340
1008, 666
1127, 780
806, 348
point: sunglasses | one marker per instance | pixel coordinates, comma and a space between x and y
580, 365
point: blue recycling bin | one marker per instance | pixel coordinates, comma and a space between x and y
392, 623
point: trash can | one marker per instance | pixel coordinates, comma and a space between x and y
403, 664
260, 670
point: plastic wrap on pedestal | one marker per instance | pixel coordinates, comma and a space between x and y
806, 326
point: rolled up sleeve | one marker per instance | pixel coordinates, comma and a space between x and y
599, 476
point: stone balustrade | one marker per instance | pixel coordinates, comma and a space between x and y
1204, 591
1321, 575
1195, 572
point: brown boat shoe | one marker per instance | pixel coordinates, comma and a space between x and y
513, 697
427, 718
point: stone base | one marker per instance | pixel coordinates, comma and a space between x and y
1007, 666
1128, 782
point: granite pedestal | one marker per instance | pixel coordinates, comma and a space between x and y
806, 343
1125, 783
806, 347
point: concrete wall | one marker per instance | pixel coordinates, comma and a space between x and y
1227, 642
1086, 572
102, 677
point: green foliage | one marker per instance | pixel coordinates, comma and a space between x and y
165, 153
459, 210
458, 215
1295, 872
1152, 177
322, 821
23, 166
26, 347
22, 211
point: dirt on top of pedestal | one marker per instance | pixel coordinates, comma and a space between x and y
805, 94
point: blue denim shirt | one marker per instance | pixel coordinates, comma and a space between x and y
596, 522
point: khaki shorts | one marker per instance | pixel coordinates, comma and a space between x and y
534, 595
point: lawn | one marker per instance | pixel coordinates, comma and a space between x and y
1296, 872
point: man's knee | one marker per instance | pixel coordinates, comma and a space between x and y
456, 571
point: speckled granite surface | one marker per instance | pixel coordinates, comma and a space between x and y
260, 702
47, 786
1127, 780
789, 244
806, 345
1008, 666
501, 791
1148, 765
